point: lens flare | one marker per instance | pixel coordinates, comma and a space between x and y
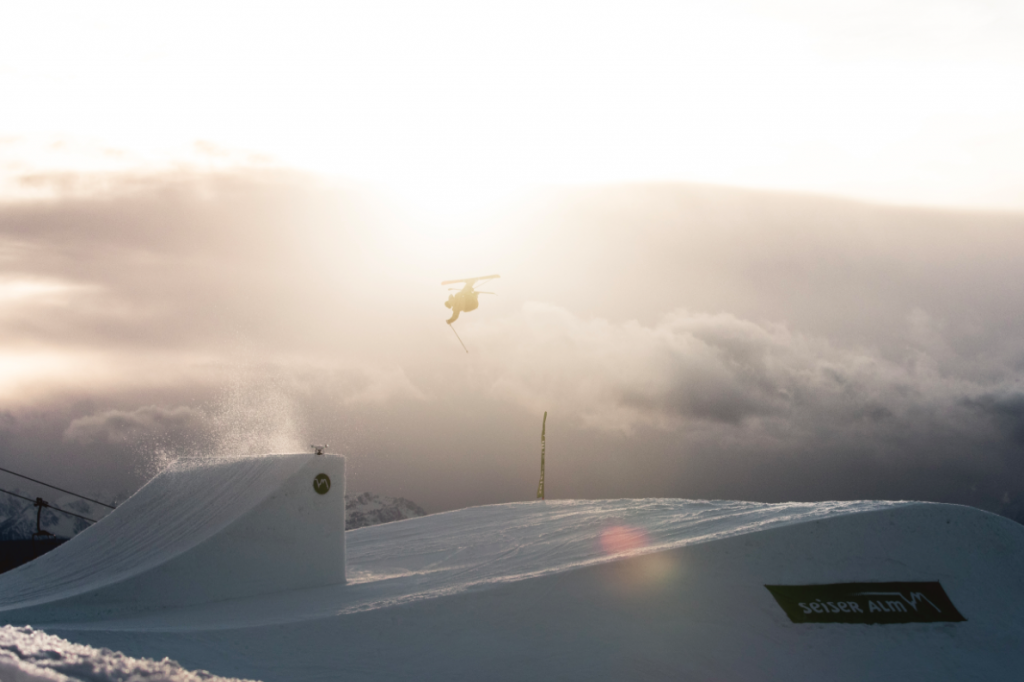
623, 539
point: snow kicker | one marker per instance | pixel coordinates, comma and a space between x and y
198, 532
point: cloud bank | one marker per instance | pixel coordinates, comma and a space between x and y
691, 341
118, 426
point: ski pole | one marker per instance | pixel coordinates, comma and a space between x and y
459, 338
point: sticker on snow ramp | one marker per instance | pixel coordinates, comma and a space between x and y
877, 603
322, 483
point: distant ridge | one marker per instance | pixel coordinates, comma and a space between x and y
370, 509
18, 518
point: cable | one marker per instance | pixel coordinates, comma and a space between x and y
61, 489
50, 506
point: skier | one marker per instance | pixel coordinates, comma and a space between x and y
466, 298
462, 301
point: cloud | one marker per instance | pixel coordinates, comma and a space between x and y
688, 366
1006, 410
144, 424
704, 330
715, 378
170, 261
375, 386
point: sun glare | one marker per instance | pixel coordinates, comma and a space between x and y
28, 373
35, 291
451, 102
623, 540
447, 198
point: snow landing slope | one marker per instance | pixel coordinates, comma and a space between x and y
199, 531
607, 590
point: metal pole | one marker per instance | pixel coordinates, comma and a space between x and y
540, 486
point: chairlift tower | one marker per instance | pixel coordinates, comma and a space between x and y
40, 534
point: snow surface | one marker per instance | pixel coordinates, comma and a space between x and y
610, 590
28, 655
571, 590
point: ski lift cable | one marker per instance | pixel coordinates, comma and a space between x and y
89, 499
50, 506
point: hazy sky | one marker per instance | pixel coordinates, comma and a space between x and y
223, 229
908, 101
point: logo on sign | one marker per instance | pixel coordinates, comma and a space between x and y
322, 483
875, 603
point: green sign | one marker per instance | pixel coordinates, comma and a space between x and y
322, 483
874, 603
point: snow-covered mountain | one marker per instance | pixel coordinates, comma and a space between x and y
369, 509
18, 517
12, 506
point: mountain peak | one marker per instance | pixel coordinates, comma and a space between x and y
369, 509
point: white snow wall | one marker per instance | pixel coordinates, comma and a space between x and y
196, 533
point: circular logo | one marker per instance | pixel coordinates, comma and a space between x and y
322, 483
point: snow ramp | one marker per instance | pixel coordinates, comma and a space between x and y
200, 531
623, 590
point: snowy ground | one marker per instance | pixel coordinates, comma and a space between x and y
28, 655
611, 590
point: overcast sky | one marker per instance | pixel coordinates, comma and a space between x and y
766, 251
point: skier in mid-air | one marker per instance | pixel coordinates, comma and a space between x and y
462, 301
465, 299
